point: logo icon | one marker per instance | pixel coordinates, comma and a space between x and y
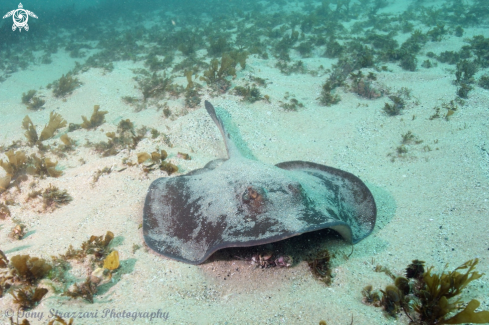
20, 17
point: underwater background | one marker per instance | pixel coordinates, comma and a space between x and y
100, 98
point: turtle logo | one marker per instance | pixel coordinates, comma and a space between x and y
20, 17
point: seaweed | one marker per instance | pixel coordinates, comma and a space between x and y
409, 138
408, 62
75, 49
451, 108
55, 123
125, 125
434, 305
371, 297
68, 143
3, 261
480, 46
362, 85
4, 212
250, 94
449, 57
391, 300
287, 69
31, 101
381, 42
52, 197
327, 98
465, 72
463, 90
42, 167
320, 266
30, 133
85, 290
73, 127
363, 56
459, 31
154, 133
143, 156
166, 111
402, 284
401, 151
168, 167
96, 245
216, 75
65, 85
15, 165
436, 34
135, 247
287, 42
29, 269
239, 57
155, 156
158, 156
217, 46
192, 98
192, 63
188, 75
340, 72
28, 297
484, 81
97, 118
398, 104
152, 161
415, 270
124, 138
154, 86
26, 97
305, 49
100, 172
188, 48
292, 105
333, 49
5, 183
431, 295
259, 81
99, 247
154, 64
427, 64
131, 100
36, 103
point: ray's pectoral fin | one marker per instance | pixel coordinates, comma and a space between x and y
356, 211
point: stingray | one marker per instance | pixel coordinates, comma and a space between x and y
241, 202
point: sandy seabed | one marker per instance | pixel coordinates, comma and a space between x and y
432, 203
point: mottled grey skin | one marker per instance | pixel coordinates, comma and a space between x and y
239, 202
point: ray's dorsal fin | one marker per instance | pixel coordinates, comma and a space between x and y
232, 149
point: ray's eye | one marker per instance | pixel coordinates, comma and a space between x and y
252, 194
